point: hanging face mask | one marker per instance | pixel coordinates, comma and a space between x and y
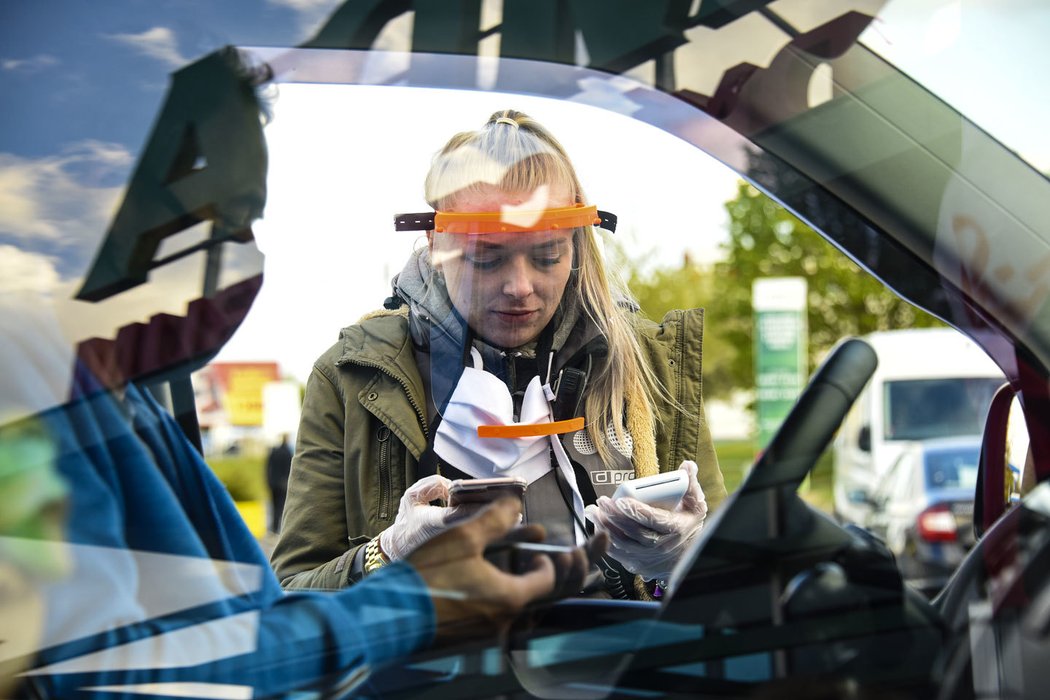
477, 432
479, 435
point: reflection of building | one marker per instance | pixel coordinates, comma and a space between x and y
230, 403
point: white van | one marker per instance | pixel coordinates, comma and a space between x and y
930, 383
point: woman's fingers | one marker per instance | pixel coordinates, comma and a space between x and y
429, 488
693, 501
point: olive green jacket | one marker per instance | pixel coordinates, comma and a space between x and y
364, 428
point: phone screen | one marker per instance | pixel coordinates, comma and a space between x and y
485, 490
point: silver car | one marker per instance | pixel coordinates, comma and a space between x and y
923, 508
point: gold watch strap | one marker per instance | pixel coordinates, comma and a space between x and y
374, 557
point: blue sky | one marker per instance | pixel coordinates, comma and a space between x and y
73, 71
82, 85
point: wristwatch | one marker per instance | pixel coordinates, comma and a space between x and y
374, 557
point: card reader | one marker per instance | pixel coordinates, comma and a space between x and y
660, 490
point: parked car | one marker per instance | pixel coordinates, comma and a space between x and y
132, 234
923, 508
930, 383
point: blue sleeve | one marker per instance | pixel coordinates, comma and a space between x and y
165, 584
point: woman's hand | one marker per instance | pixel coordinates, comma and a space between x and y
648, 540
417, 521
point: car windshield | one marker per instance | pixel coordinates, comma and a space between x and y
963, 51
239, 333
919, 409
952, 469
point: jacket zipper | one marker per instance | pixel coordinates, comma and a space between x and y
384, 472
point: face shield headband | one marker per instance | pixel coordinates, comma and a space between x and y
508, 221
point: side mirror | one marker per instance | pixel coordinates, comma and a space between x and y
990, 499
864, 438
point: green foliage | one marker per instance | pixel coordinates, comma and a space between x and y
243, 476
765, 240
735, 458
684, 287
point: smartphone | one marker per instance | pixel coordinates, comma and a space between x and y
659, 490
485, 490
517, 557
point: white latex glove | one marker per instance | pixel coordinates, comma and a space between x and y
417, 521
647, 540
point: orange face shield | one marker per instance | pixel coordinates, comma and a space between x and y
509, 221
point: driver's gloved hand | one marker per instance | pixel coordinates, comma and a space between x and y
648, 540
417, 520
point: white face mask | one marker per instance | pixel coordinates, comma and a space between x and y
481, 398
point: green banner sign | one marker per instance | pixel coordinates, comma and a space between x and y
781, 348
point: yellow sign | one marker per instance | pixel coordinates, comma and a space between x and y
241, 387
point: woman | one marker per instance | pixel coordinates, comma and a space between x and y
506, 318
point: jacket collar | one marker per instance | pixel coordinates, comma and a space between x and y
381, 339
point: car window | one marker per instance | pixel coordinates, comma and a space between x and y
918, 409
195, 202
952, 469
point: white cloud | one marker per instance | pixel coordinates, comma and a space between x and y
22, 271
159, 43
34, 64
312, 13
57, 197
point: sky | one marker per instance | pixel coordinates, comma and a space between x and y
83, 83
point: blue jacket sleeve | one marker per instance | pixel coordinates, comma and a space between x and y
164, 583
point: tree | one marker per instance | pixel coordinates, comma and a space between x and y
688, 286
765, 240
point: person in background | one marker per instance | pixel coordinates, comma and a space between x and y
507, 349
278, 466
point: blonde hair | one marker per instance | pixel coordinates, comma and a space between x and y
516, 153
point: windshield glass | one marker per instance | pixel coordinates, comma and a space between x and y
948, 468
225, 432
960, 50
919, 409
